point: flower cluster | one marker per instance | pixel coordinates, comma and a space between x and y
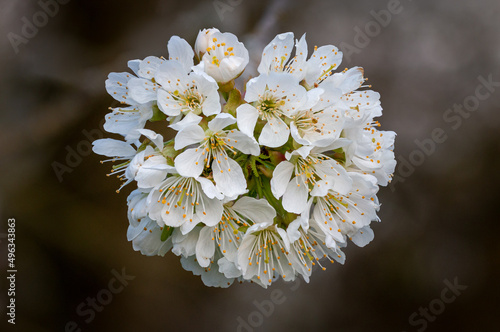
253, 186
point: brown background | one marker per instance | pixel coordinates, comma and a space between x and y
441, 223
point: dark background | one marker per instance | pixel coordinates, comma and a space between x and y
440, 223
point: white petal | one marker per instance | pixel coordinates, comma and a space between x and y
207, 87
116, 86
189, 135
257, 210
324, 59
221, 121
363, 236
295, 196
229, 269
242, 142
180, 50
149, 66
185, 245
112, 148
168, 74
211, 277
142, 90
134, 65
157, 139
321, 187
247, 116
313, 97
348, 81
148, 176
209, 188
284, 236
296, 135
190, 162
293, 228
203, 39
205, 248
276, 53
303, 151
189, 120
229, 177
167, 104
281, 177
275, 133
213, 209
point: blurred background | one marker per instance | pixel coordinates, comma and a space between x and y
439, 220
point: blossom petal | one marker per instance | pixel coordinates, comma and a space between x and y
185, 244
323, 60
149, 66
142, 90
281, 176
148, 176
157, 139
169, 73
190, 162
229, 177
189, 135
189, 120
116, 86
221, 121
205, 247
363, 236
295, 196
134, 65
275, 133
210, 212
242, 142
257, 210
247, 116
276, 53
112, 148
180, 50
209, 188
228, 268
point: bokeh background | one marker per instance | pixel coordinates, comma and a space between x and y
440, 223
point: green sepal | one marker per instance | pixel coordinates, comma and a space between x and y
233, 101
167, 231
158, 115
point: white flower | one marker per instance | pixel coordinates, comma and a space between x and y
372, 153
184, 202
144, 233
210, 275
274, 98
117, 84
255, 186
214, 144
310, 247
340, 215
148, 166
276, 57
202, 41
126, 120
226, 235
144, 88
264, 254
310, 171
224, 57
184, 92
322, 122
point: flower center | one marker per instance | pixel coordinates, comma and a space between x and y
190, 100
269, 106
